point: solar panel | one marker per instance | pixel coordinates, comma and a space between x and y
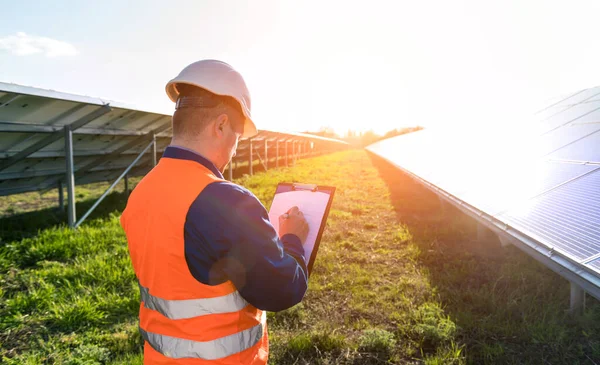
538, 181
519, 183
579, 113
584, 149
583, 96
107, 137
566, 219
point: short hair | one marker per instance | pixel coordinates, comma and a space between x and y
190, 119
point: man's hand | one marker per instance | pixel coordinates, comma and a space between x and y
293, 222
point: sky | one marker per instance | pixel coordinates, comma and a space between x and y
361, 65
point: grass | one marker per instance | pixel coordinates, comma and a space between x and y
397, 280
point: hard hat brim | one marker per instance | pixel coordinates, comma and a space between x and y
250, 129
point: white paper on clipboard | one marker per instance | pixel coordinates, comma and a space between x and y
312, 204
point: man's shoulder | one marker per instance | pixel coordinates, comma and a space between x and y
225, 193
228, 189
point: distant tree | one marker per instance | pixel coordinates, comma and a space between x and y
363, 139
397, 132
324, 132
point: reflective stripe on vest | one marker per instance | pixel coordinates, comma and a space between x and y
178, 348
189, 308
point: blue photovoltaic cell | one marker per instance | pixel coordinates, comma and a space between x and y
586, 149
595, 264
566, 219
579, 113
518, 184
582, 96
560, 138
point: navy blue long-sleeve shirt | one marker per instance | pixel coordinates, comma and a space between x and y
228, 236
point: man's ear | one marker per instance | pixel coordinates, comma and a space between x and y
220, 124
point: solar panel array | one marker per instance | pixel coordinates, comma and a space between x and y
539, 178
108, 136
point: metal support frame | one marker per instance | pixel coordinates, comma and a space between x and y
250, 157
70, 176
266, 163
100, 160
577, 302
9, 98
113, 185
276, 153
261, 161
505, 241
443, 205
482, 232
61, 196
126, 180
54, 136
153, 149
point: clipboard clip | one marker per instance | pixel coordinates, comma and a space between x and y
311, 187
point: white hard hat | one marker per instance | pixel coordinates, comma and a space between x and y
219, 78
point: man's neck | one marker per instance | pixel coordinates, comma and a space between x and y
203, 149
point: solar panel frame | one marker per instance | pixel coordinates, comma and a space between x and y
563, 231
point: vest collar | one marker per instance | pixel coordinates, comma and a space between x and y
183, 153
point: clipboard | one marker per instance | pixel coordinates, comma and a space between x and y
310, 205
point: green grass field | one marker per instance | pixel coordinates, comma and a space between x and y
397, 280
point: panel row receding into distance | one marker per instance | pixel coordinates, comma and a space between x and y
107, 137
540, 177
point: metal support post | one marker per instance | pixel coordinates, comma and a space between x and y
127, 185
250, 157
230, 170
482, 232
266, 155
294, 152
577, 299
286, 153
70, 177
276, 153
153, 150
260, 160
504, 240
444, 208
61, 197
113, 185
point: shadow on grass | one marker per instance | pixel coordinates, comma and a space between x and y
18, 226
509, 308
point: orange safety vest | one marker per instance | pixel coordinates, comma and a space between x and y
182, 320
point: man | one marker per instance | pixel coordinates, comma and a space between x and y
208, 261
